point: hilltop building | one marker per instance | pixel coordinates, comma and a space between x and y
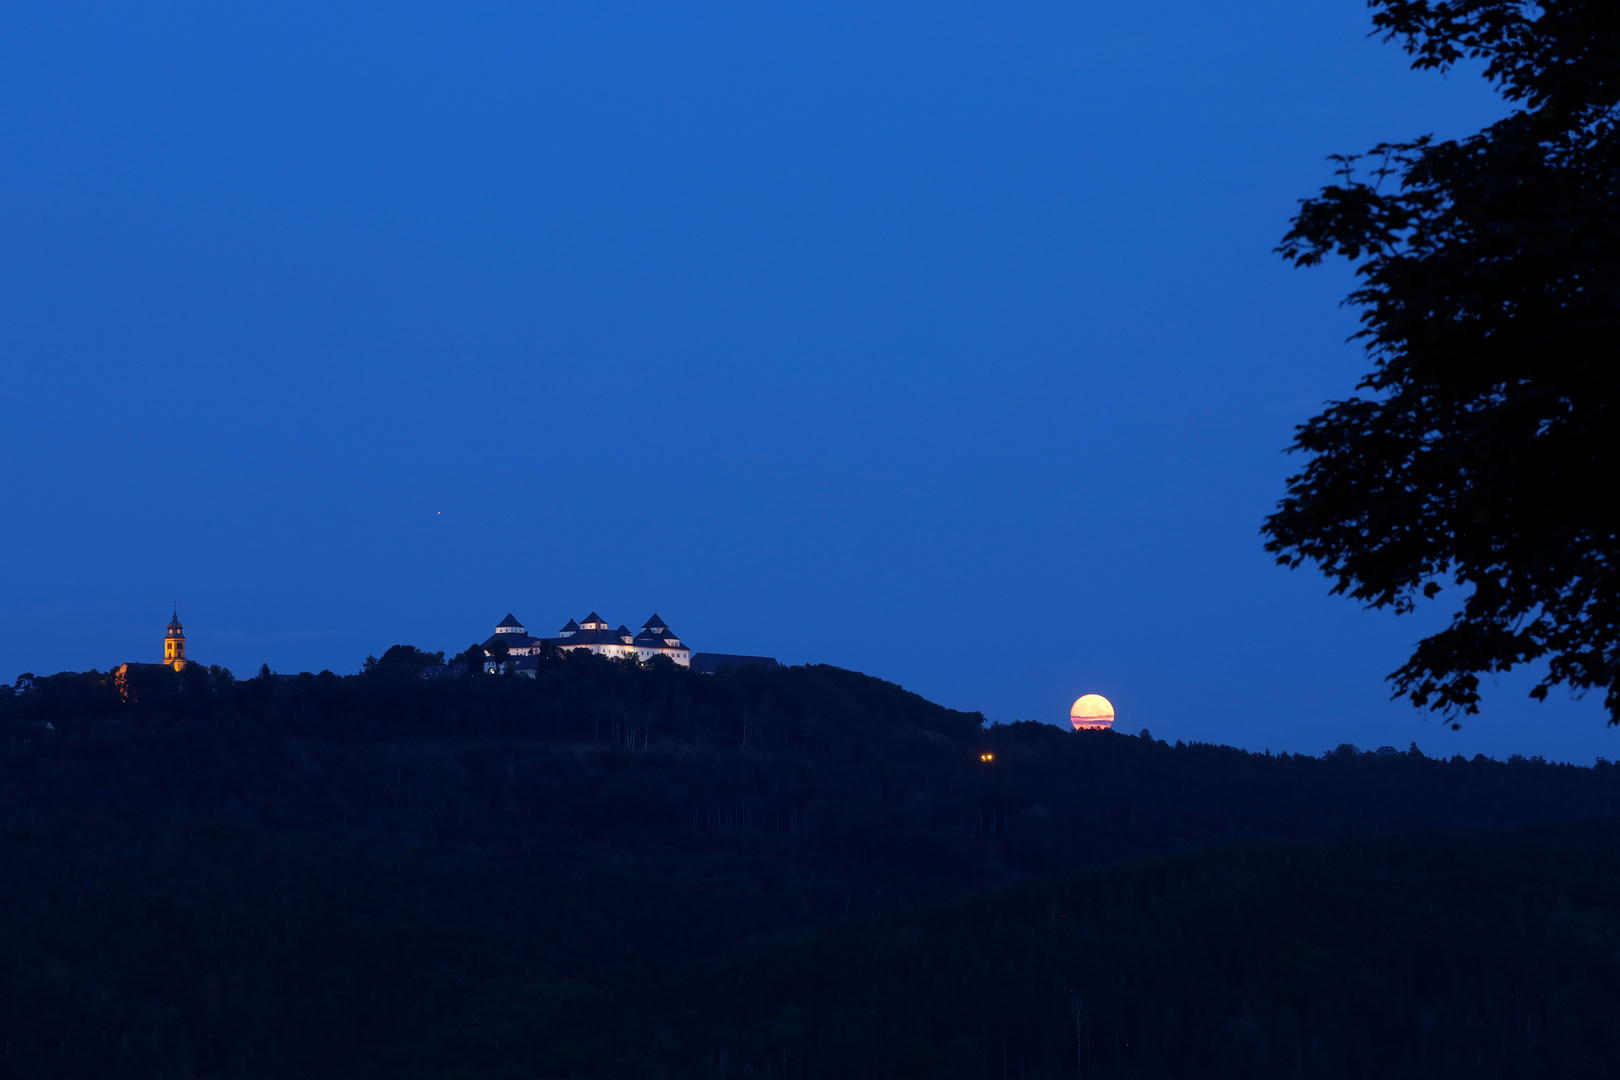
514, 636
174, 654
174, 642
593, 635
523, 650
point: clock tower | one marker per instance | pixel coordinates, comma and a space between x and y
174, 644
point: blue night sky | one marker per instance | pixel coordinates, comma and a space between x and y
940, 341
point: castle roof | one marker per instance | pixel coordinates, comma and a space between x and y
174, 623
570, 627
655, 623
593, 617
649, 638
595, 637
510, 634
510, 640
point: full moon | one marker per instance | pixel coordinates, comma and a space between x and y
1092, 712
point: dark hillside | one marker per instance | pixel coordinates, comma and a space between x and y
1472, 954
326, 875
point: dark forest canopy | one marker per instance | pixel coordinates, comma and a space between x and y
375, 874
1463, 955
1482, 457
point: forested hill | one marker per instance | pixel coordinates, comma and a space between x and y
1445, 956
383, 875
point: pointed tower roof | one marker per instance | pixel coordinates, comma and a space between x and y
174, 622
570, 628
593, 617
510, 620
655, 623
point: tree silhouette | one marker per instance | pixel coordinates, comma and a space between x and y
1483, 451
1077, 1010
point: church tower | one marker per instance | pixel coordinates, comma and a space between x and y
174, 643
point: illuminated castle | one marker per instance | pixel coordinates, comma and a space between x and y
593, 635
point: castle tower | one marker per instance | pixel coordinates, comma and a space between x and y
174, 643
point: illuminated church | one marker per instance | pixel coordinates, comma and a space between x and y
174, 653
174, 643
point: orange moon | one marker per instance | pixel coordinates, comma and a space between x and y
1092, 712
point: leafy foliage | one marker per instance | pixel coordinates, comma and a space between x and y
1484, 451
401, 662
